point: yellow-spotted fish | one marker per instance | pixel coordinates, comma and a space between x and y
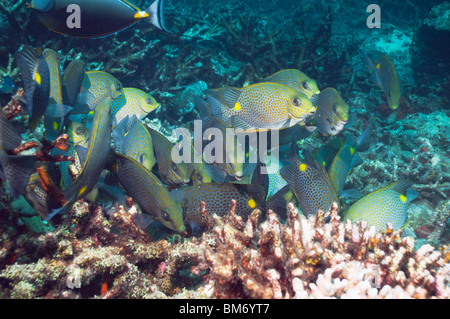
133, 102
170, 172
96, 86
296, 80
14, 170
217, 197
133, 140
150, 194
332, 112
311, 184
36, 78
386, 205
54, 115
94, 19
384, 74
93, 159
260, 106
346, 158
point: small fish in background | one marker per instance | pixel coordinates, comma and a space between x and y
384, 74
347, 158
56, 110
311, 184
133, 102
170, 173
386, 205
332, 112
97, 18
7, 85
93, 158
217, 197
95, 87
36, 77
260, 106
150, 194
133, 140
296, 80
15, 170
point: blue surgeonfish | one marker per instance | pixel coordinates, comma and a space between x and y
94, 19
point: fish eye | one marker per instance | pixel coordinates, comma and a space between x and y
334, 107
305, 86
148, 100
78, 131
174, 167
296, 101
199, 177
165, 215
118, 87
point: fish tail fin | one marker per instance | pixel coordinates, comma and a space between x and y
363, 141
27, 61
61, 210
17, 170
156, 15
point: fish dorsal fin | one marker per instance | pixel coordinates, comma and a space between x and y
9, 139
231, 96
401, 186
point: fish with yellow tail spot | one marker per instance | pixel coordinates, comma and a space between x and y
36, 78
386, 205
95, 87
56, 110
217, 197
170, 173
384, 74
260, 106
296, 80
347, 158
95, 19
311, 184
133, 140
150, 194
133, 102
332, 112
93, 159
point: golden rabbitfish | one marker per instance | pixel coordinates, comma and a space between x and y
96, 86
260, 106
386, 205
217, 197
296, 80
332, 112
385, 76
311, 184
133, 140
148, 191
133, 102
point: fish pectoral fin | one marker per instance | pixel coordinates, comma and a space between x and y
288, 174
82, 153
239, 124
215, 172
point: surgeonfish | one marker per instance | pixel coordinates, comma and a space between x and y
332, 112
346, 158
384, 74
217, 197
386, 205
133, 102
55, 112
150, 194
311, 184
170, 172
296, 80
260, 106
95, 87
93, 158
94, 19
15, 170
133, 140
36, 77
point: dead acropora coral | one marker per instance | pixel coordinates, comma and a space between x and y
308, 258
